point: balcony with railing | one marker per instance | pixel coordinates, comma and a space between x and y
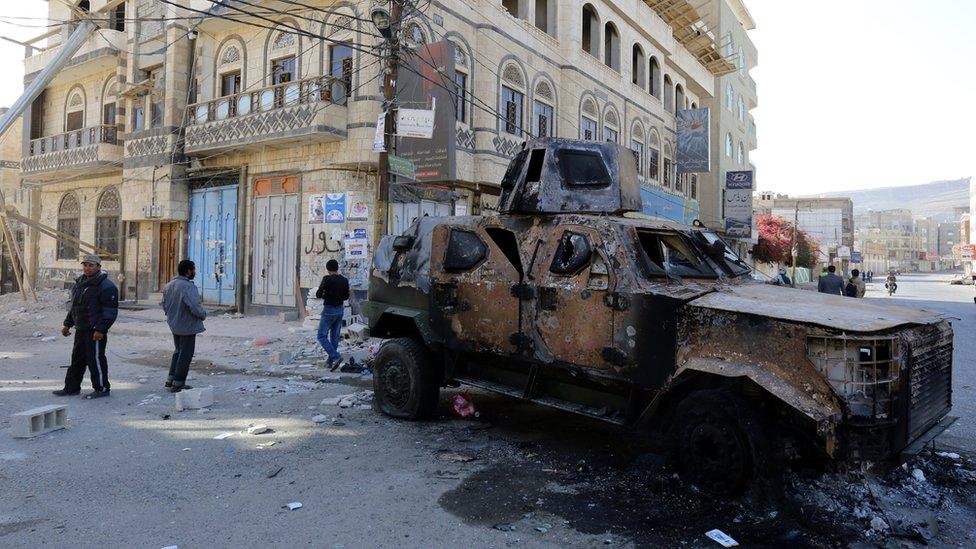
101, 51
91, 151
313, 109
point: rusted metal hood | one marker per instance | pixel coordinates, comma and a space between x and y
836, 312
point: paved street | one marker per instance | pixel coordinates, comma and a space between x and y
131, 471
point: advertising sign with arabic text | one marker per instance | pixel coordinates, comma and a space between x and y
738, 204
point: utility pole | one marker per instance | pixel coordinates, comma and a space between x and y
388, 23
793, 250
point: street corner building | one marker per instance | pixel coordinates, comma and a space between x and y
243, 135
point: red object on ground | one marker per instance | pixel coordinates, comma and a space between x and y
260, 342
462, 405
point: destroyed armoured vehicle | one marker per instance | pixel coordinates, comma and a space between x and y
570, 299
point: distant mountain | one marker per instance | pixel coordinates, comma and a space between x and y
935, 199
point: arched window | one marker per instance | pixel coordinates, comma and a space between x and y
668, 166
728, 145
637, 67
679, 98
283, 55
513, 99
611, 47
588, 120
694, 105
742, 109
611, 126
69, 212
729, 94
654, 75
84, 5
740, 155
108, 215
668, 94
637, 145
230, 69
654, 157
461, 70
74, 112
590, 32
543, 110
742, 61
110, 96
416, 36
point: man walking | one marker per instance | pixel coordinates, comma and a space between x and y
94, 308
855, 286
185, 316
333, 291
831, 283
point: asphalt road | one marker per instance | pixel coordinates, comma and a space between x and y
933, 291
132, 472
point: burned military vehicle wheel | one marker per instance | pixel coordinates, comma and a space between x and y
405, 380
718, 442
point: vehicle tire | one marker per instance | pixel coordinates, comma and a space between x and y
406, 384
719, 442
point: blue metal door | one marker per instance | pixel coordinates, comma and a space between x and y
213, 242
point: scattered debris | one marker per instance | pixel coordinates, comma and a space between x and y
721, 538
265, 445
350, 400
294, 505
455, 457
281, 357
918, 475
878, 524
274, 472
462, 405
320, 418
505, 527
951, 455
38, 421
222, 436
194, 399
258, 429
48, 339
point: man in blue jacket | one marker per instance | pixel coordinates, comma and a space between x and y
94, 308
185, 315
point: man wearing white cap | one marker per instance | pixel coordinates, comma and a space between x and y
94, 308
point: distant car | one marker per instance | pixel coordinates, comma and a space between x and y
962, 280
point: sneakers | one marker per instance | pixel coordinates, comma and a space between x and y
168, 384
178, 388
65, 392
334, 364
97, 394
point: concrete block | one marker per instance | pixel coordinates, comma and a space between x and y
37, 421
194, 399
281, 357
288, 316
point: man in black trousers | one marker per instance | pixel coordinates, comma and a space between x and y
185, 315
94, 308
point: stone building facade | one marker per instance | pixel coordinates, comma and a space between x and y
212, 134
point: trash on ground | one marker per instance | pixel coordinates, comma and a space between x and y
918, 475
294, 505
505, 527
462, 405
455, 457
721, 538
320, 418
222, 436
258, 429
263, 445
274, 472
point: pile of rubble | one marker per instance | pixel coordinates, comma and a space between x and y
50, 303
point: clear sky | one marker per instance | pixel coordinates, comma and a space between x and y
852, 93
864, 93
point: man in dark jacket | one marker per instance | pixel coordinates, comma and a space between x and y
94, 308
333, 291
185, 316
831, 283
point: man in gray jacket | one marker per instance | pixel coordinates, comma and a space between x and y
185, 316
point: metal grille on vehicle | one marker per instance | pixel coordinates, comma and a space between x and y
930, 384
